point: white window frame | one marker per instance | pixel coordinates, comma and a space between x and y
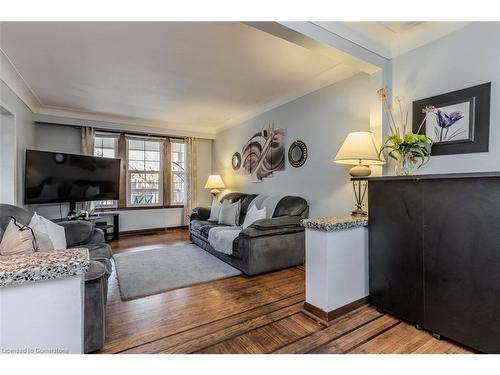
114, 136
160, 172
172, 173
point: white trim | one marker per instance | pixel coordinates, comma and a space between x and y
15, 81
144, 137
16, 153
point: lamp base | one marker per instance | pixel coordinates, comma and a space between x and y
360, 171
359, 187
215, 192
359, 212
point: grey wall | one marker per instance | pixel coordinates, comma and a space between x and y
322, 120
467, 57
57, 138
24, 135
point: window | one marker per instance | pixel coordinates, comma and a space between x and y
106, 146
178, 171
144, 172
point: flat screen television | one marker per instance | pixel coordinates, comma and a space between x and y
55, 177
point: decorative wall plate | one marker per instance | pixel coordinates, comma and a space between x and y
297, 154
236, 161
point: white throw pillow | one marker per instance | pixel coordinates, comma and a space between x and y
253, 215
215, 210
54, 231
230, 213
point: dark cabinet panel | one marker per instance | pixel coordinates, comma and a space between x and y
462, 260
435, 254
395, 256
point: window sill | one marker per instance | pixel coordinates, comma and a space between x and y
138, 208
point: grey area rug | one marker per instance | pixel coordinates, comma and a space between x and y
143, 273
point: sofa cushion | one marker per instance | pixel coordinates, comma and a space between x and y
7, 210
245, 204
291, 206
203, 230
234, 197
195, 225
78, 232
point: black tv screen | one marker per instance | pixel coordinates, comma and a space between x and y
54, 177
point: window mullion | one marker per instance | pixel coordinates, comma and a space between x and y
167, 177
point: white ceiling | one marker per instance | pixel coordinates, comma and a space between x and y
391, 39
184, 76
193, 75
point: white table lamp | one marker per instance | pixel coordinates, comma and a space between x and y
359, 149
215, 183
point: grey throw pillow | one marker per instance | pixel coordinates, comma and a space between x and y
230, 213
215, 210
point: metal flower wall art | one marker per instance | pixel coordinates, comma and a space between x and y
264, 153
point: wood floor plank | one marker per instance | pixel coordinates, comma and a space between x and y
267, 338
236, 330
403, 338
202, 331
348, 342
337, 328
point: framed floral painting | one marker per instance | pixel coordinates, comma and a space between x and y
460, 123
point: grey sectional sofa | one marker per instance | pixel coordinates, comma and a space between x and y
81, 234
267, 245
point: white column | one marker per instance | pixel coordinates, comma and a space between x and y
42, 317
336, 267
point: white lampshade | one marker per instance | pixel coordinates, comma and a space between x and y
359, 148
215, 182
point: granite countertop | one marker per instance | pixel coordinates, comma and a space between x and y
39, 266
332, 223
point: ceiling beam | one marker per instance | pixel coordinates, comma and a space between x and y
319, 40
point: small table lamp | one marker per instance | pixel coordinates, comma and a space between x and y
359, 149
215, 183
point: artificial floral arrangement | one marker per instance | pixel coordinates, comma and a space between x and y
410, 150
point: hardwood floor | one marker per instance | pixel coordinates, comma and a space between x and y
261, 314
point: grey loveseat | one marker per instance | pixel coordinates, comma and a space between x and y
267, 245
81, 234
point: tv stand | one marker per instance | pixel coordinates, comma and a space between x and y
101, 222
72, 209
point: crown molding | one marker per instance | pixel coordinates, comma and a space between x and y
432, 31
111, 122
401, 43
14, 80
